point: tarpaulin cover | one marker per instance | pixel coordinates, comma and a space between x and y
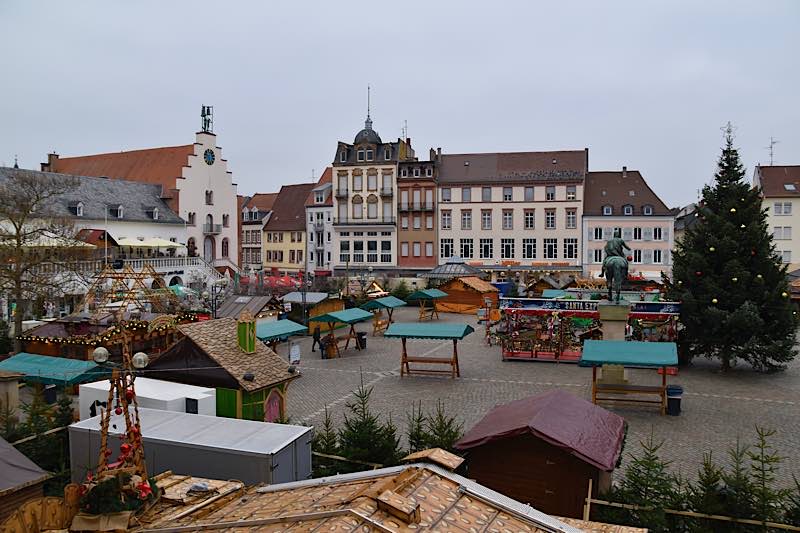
573, 424
413, 330
53, 370
279, 329
629, 353
345, 316
426, 294
387, 302
16, 470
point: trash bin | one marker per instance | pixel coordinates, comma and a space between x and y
323, 348
362, 340
674, 394
50, 394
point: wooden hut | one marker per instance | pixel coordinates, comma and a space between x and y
543, 450
466, 295
20, 480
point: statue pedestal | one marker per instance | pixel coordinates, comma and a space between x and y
613, 318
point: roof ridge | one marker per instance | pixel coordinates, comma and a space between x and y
129, 151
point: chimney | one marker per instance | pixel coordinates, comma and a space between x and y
50, 166
246, 332
624, 172
439, 154
432, 155
408, 141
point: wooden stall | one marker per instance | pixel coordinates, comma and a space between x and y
466, 295
454, 332
350, 317
389, 303
427, 302
544, 449
272, 333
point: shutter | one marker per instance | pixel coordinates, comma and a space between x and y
665, 257
607, 233
665, 233
647, 257
627, 234
647, 234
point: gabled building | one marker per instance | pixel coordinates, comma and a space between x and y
364, 193
780, 191
255, 213
416, 206
624, 200
284, 240
195, 182
512, 212
319, 220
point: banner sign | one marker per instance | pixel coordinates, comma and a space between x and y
585, 307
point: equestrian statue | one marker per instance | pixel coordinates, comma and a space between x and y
615, 264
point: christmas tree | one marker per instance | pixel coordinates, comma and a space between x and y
731, 282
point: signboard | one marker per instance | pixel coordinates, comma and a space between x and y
585, 307
287, 307
294, 353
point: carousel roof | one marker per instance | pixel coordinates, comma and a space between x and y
455, 267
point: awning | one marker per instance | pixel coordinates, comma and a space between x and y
387, 302
54, 370
629, 353
413, 330
158, 242
426, 294
279, 330
346, 316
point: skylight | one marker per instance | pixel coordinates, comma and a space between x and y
789, 187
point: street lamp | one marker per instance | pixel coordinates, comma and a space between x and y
216, 289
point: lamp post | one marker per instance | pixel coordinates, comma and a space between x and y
216, 288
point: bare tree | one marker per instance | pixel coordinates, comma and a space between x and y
36, 248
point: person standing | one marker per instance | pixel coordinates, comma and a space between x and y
316, 335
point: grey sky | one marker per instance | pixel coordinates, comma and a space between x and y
642, 84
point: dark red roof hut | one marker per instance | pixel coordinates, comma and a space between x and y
543, 450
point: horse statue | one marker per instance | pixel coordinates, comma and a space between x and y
615, 265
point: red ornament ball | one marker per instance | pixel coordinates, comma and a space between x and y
698, 273
125, 448
629, 258
129, 394
118, 410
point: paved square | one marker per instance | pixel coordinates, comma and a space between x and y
716, 408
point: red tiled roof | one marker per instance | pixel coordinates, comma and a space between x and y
154, 165
773, 180
327, 177
95, 236
262, 200
514, 167
288, 212
611, 188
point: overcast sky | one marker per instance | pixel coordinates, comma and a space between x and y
642, 84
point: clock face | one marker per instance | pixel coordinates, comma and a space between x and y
208, 157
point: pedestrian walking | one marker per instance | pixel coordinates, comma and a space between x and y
316, 335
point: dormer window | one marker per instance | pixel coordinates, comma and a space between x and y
116, 212
245, 214
343, 156
404, 172
319, 197
209, 197
370, 155
429, 171
608, 210
627, 210
191, 220
76, 209
387, 154
254, 214
360, 155
647, 210
154, 213
416, 172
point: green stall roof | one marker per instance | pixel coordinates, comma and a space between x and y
629, 353
426, 294
54, 370
387, 302
280, 329
414, 330
346, 316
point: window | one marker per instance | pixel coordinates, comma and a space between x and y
404, 199
549, 219
486, 219
372, 251
343, 183
487, 248
572, 219
530, 219
446, 248
428, 249
598, 233
372, 206
571, 192
247, 237
550, 193
783, 208
386, 182
429, 222
154, 216
551, 248
357, 182
466, 194
627, 210
417, 222
657, 258
570, 248
370, 155
79, 209
466, 248
404, 222
358, 251
404, 172
269, 237
446, 194
254, 214
637, 234
447, 219
291, 256
529, 248
387, 154
608, 210
404, 249
360, 155
466, 219
372, 182
786, 256
637, 256
429, 171
508, 194
528, 194
343, 156
416, 172
319, 197
598, 255
225, 218
428, 198
329, 236
658, 234
344, 252
209, 197
417, 248
508, 219
486, 194
358, 207
416, 198
507, 248
118, 212
386, 251
647, 210
782, 232
245, 214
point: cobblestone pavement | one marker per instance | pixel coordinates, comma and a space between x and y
717, 408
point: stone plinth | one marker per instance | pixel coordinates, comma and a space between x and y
614, 318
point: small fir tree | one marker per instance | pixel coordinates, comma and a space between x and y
443, 431
415, 432
706, 495
325, 440
731, 282
738, 491
401, 290
764, 461
363, 437
792, 515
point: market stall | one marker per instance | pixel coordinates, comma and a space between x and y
636, 354
427, 302
467, 294
350, 317
271, 333
390, 303
454, 332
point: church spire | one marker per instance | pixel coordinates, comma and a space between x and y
368, 122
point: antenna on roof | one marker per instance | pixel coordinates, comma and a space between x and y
313, 179
368, 102
772, 142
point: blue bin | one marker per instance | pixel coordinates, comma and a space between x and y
674, 395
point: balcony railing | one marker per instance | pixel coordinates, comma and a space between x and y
342, 193
387, 191
159, 264
319, 245
416, 206
346, 221
319, 225
212, 229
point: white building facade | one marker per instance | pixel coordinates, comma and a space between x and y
780, 192
319, 230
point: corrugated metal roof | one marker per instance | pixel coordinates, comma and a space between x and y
311, 298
